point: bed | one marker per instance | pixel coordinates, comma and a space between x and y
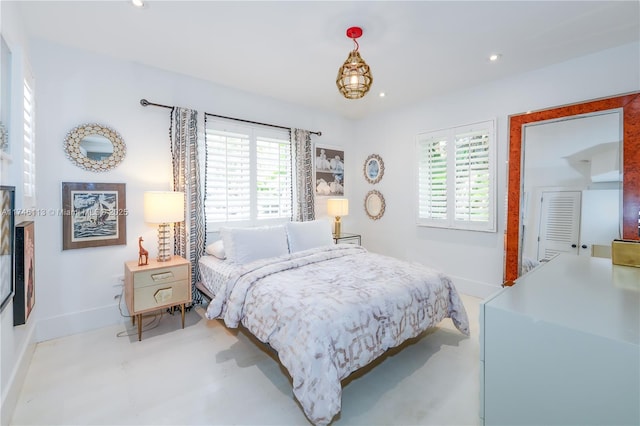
326, 309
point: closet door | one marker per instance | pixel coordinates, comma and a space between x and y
600, 219
559, 223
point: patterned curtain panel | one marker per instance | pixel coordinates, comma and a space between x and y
189, 239
303, 193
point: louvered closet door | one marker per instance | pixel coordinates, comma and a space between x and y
559, 223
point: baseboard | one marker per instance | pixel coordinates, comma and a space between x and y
18, 374
474, 288
78, 322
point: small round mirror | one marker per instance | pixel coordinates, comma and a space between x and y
374, 205
373, 168
94, 147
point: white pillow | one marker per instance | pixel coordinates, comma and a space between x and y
307, 235
216, 249
243, 245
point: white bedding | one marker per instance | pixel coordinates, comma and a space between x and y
328, 311
215, 272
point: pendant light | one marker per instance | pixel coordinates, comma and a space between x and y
354, 76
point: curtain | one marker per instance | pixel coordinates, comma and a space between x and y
189, 240
304, 189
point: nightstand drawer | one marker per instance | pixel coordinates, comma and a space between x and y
160, 295
160, 276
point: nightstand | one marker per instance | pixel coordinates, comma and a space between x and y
156, 286
348, 239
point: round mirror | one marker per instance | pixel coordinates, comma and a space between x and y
373, 168
374, 204
94, 147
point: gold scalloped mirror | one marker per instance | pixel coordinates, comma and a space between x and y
374, 204
94, 147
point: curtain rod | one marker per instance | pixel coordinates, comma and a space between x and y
145, 103
256, 122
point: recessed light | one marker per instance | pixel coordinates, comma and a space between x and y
138, 3
494, 57
382, 94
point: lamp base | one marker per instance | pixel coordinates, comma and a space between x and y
164, 249
337, 225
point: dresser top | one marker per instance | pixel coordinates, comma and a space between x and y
587, 294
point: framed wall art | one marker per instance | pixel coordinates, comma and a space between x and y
329, 170
94, 215
25, 297
373, 168
7, 212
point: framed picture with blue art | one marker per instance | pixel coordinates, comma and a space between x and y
7, 200
329, 171
93, 215
373, 168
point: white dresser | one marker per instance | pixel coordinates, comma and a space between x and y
562, 346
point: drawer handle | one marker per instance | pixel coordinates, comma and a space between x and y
163, 295
162, 276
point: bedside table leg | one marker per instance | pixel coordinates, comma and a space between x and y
139, 327
182, 309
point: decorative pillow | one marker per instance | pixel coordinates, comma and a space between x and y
243, 245
216, 249
310, 234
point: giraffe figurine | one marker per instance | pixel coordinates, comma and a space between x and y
143, 253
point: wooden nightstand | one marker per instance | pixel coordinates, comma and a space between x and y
348, 239
155, 286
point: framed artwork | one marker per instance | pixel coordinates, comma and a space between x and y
7, 200
25, 297
373, 168
329, 169
94, 215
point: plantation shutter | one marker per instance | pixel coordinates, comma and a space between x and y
456, 177
228, 177
432, 180
248, 174
273, 178
472, 179
28, 146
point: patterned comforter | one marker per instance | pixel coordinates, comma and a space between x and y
331, 310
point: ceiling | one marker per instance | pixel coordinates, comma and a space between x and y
291, 50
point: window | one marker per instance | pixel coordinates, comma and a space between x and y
28, 146
456, 177
248, 173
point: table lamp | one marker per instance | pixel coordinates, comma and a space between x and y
164, 208
337, 207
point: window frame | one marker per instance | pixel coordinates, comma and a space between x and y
449, 135
253, 132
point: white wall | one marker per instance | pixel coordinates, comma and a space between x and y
76, 288
473, 259
16, 343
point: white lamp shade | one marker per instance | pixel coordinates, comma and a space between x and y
163, 206
338, 206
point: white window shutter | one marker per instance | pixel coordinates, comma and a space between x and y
456, 177
249, 174
28, 146
432, 179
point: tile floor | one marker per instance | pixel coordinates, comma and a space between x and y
208, 374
